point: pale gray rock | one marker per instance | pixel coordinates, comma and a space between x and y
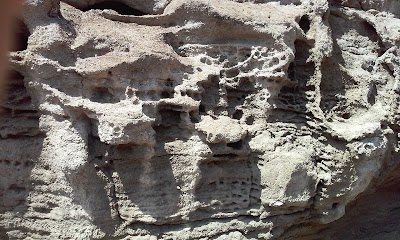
202, 119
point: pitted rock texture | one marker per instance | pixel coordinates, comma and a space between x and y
202, 119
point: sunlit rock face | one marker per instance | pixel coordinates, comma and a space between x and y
201, 119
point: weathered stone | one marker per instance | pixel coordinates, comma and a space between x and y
201, 119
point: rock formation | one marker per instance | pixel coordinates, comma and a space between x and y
202, 119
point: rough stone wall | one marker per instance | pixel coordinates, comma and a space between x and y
202, 119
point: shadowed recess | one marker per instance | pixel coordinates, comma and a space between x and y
119, 7
21, 35
304, 23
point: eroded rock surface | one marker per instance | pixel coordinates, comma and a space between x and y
202, 119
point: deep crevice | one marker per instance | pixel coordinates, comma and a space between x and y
228, 155
21, 34
194, 117
119, 7
387, 68
236, 145
293, 97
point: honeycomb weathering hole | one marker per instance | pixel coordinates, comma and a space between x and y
119, 7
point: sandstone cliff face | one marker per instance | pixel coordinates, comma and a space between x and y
202, 119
